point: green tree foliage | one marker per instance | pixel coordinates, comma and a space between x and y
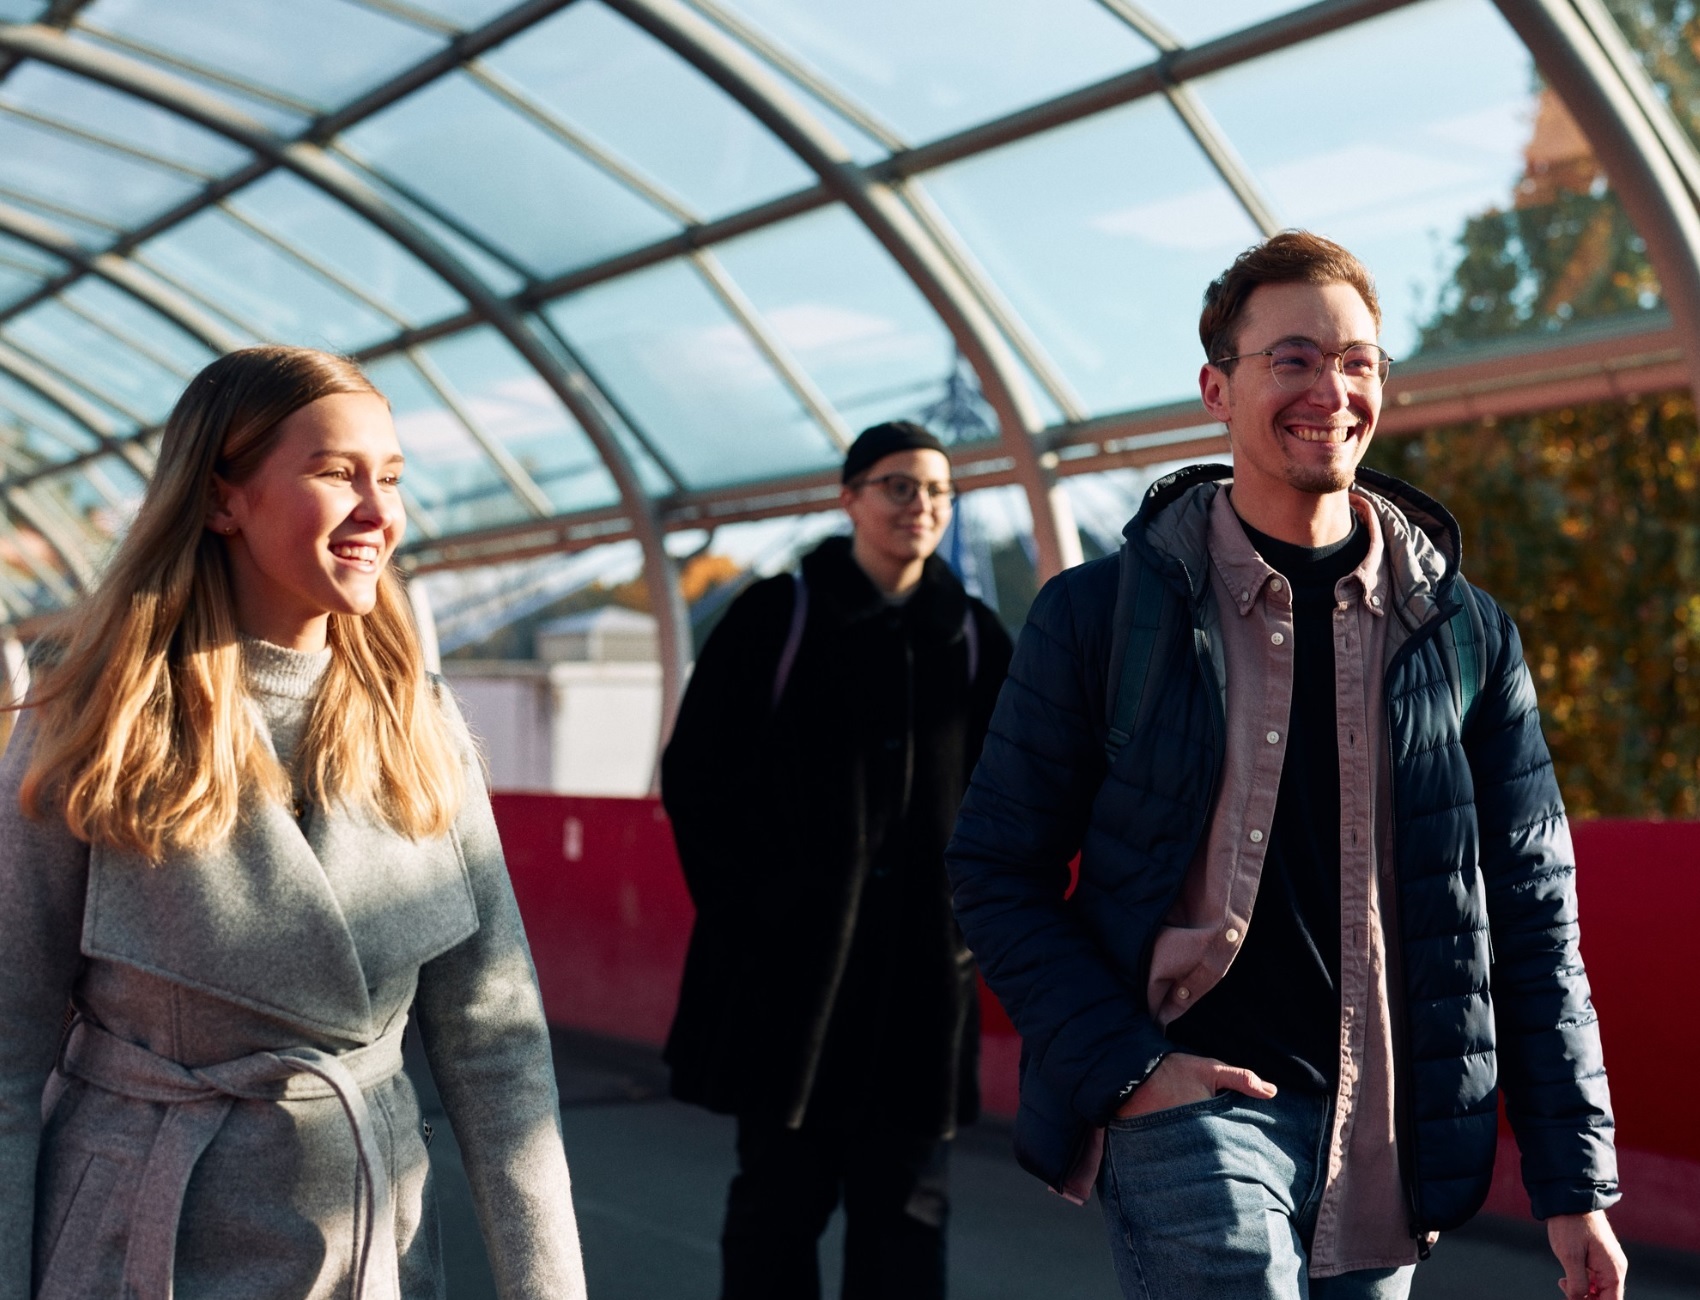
1583, 522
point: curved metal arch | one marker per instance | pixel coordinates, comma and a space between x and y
313, 164
889, 219
121, 274
23, 503
1611, 100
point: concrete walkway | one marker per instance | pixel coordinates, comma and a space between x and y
650, 1178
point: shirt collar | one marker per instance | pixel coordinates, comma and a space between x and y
1247, 574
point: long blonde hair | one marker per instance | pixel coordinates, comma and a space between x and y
145, 740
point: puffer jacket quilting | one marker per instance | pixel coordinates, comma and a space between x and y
1480, 837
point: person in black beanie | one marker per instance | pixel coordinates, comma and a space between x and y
813, 777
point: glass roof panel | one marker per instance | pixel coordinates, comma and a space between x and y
468, 13
233, 268
848, 314
1452, 117
1103, 235
84, 232
324, 51
139, 325
27, 445
1193, 23
506, 177
87, 104
691, 376
447, 472
493, 270
90, 181
330, 233
22, 11
15, 284
634, 95
27, 257
28, 405
930, 69
512, 403
282, 115
76, 347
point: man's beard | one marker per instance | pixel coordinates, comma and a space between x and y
1320, 479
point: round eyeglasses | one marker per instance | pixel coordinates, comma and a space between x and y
1296, 364
901, 489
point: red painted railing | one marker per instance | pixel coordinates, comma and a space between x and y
605, 905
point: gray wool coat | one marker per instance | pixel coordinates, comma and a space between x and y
228, 1121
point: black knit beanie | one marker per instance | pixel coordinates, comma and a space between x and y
881, 440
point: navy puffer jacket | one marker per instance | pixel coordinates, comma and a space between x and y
1494, 993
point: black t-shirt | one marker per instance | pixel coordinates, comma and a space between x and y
1277, 1010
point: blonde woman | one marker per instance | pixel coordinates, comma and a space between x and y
241, 836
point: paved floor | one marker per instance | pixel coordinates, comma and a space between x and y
650, 1176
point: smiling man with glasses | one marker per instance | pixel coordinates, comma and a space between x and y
1325, 916
829, 1001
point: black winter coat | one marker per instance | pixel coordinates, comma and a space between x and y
1488, 991
826, 973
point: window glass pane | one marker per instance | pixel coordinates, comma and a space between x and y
506, 178
468, 13
129, 318
1103, 235
1451, 119
29, 405
1193, 23
285, 119
322, 50
501, 277
237, 270
513, 404
652, 478
22, 11
847, 313
94, 107
354, 248
94, 182
26, 446
692, 378
632, 94
16, 284
27, 257
447, 472
95, 358
928, 69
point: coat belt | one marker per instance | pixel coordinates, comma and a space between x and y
200, 1099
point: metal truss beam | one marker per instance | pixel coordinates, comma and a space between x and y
314, 165
880, 208
1611, 361
117, 271
1618, 110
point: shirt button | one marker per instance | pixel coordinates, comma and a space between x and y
1276, 638
1274, 737
1257, 837
1376, 601
1183, 994
1274, 584
1232, 936
1244, 596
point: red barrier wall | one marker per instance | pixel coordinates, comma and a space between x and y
605, 905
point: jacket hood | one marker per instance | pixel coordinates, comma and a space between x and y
1424, 545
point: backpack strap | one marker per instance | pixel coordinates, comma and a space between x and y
971, 635
793, 637
1462, 647
1140, 605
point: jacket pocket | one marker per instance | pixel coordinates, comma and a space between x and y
79, 1249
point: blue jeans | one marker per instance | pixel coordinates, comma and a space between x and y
1218, 1199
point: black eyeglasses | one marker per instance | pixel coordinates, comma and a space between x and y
1296, 364
901, 489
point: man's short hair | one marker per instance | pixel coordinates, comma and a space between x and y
1291, 257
